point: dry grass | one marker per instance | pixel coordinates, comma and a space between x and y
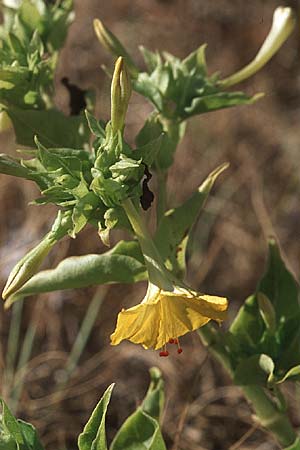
257, 197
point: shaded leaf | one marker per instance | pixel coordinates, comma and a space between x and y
52, 127
257, 370
279, 285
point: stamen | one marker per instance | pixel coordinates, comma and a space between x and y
171, 341
164, 352
179, 349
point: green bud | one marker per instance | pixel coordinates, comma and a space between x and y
120, 95
111, 43
30, 263
284, 21
27, 266
267, 312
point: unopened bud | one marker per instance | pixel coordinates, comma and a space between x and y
111, 43
120, 95
267, 312
30, 263
284, 21
27, 267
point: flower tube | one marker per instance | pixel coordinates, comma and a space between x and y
284, 22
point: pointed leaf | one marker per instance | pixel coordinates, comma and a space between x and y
177, 223
93, 436
279, 285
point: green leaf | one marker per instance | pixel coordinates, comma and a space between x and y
219, 100
114, 266
257, 370
30, 436
139, 432
93, 436
279, 285
94, 125
10, 425
52, 127
177, 223
152, 59
153, 402
29, 15
11, 166
248, 326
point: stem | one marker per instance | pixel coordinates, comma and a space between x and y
269, 416
158, 274
162, 195
13, 344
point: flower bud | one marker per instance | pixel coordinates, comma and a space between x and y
29, 264
113, 45
27, 267
284, 21
120, 94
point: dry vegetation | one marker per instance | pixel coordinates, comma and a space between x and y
257, 197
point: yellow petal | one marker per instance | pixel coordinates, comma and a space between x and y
170, 315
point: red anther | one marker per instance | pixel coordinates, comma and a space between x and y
171, 341
179, 350
164, 353
175, 341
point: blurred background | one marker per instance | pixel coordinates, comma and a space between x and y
257, 197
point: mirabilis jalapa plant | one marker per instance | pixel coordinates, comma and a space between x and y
106, 184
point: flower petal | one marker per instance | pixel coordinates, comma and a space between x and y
171, 315
139, 324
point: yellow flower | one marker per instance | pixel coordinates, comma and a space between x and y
163, 316
169, 309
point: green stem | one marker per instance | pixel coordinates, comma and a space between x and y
158, 274
267, 412
12, 345
162, 195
